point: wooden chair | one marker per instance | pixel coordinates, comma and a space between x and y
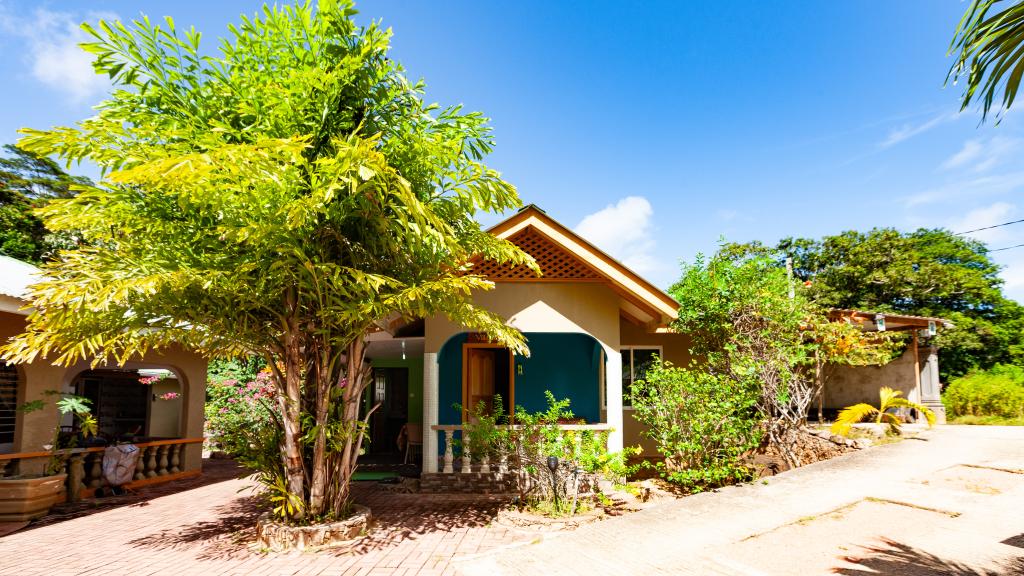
413, 437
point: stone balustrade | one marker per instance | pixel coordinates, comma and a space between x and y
159, 460
448, 461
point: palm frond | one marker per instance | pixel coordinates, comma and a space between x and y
904, 403
886, 396
850, 416
990, 53
892, 420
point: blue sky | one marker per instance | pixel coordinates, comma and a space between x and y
654, 128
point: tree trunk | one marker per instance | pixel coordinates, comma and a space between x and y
323, 379
291, 409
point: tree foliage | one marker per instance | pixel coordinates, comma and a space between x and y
925, 272
749, 333
278, 198
989, 47
703, 423
26, 182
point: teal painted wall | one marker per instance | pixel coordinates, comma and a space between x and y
568, 364
415, 367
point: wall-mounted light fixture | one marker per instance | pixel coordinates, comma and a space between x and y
880, 322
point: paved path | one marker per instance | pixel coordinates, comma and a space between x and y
208, 530
949, 502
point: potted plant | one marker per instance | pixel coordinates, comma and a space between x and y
29, 496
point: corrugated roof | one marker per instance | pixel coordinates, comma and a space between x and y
891, 316
16, 276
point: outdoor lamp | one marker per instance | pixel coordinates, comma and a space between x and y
880, 322
553, 463
553, 466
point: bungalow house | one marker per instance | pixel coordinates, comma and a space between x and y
155, 402
591, 325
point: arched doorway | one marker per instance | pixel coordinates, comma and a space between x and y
133, 405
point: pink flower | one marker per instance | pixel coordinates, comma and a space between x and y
169, 396
229, 382
224, 410
149, 380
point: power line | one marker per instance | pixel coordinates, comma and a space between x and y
989, 228
1007, 248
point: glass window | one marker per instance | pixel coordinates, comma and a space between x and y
635, 363
8, 406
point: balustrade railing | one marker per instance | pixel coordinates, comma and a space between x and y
84, 466
466, 466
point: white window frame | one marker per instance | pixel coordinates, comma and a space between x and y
631, 347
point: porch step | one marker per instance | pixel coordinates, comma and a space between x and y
469, 483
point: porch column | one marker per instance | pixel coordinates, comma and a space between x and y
931, 395
430, 402
613, 401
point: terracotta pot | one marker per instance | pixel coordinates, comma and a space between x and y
23, 499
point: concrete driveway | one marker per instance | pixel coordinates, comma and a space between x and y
950, 501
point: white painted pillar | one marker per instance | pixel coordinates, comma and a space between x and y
431, 375
613, 385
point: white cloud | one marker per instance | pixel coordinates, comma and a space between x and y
980, 155
624, 231
52, 52
985, 217
1011, 261
907, 131
968, 188
1013, 277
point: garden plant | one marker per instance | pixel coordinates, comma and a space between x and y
276, 197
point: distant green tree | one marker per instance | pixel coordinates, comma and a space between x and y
26, 182
989, 43
925, 272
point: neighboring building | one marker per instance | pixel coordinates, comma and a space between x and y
915, 373
165, 418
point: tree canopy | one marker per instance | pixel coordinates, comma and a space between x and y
280, 198
927, 272
26, 182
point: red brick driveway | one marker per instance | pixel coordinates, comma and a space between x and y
208, 529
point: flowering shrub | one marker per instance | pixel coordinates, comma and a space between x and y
169, 396
241, 415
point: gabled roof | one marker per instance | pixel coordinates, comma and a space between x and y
643, 302
15, 278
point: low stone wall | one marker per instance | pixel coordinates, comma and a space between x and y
467, 483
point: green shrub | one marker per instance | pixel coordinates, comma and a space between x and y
702, 422
998, 391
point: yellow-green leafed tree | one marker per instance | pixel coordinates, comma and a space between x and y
277, 196
889, 399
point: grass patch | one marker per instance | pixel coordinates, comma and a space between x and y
987, 420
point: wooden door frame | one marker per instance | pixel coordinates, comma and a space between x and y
465, 376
